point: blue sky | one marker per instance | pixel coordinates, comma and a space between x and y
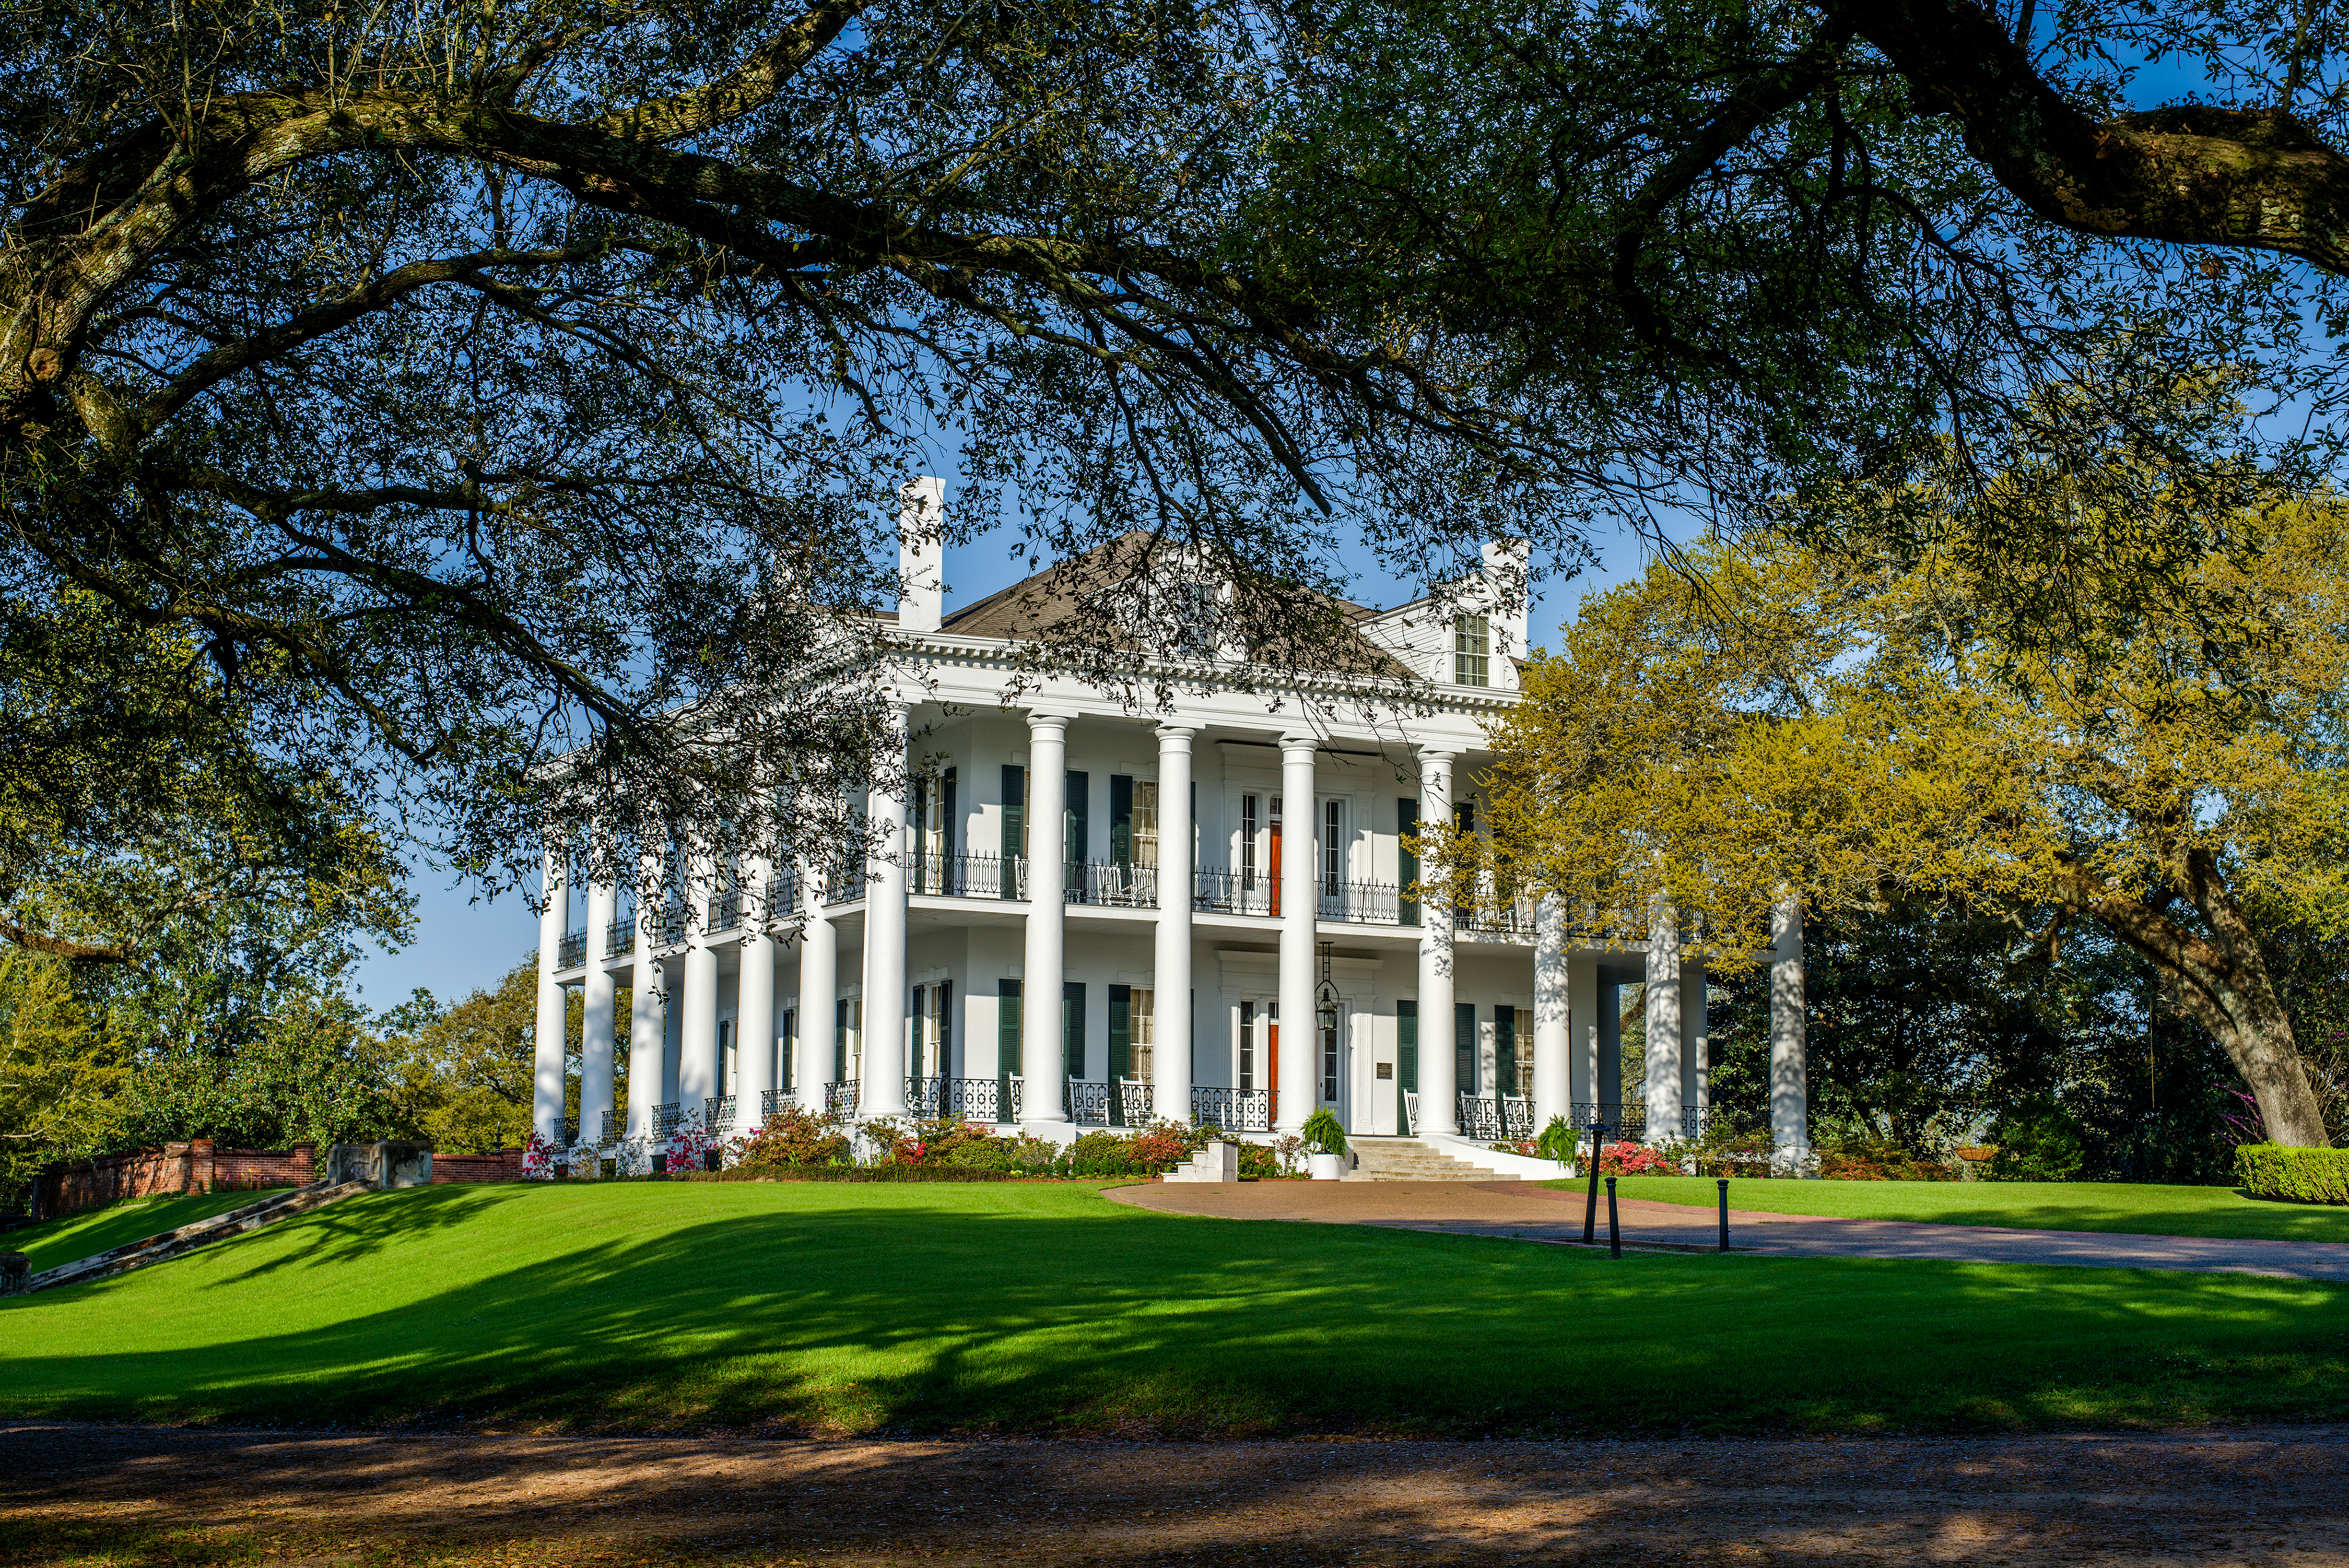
463, 943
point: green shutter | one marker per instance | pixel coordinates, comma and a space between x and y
839, 1041
1504, 1050
1464, 1042
1407, 867
1015, 791
1007, 1044
1406, 1060
1072, 1028
1121, 1044
1121, 818
1076, 838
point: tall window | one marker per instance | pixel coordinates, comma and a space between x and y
1145, 822
1334, 849
1249, 823
1472, 651
1329, 1026
1143, 1031
1248, 1044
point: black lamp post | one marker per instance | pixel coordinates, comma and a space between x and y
1597, 1129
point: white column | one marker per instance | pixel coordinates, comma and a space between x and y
882, 1091
648, 1009
595, 1030
1696, 1049
1041, 1046
1582, 1016
1790, 1093
754, 996
697, 1033
547, 1056
1664, 1054
1553, 1037
819, 971
1299, 1043
1439, 1067
1170, 1068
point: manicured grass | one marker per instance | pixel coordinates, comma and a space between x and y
1012, 1307
2144, 1211
93, 1231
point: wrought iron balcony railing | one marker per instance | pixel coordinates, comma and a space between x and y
619, 937
972, 1099
1232, 892
1361, 902
1113, 884
1495, 1117
571, 951
1233, 1110
969, 876
839, 1098
774, 1100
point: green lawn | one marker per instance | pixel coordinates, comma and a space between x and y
2144, 1210
1016, 1307
94, 1231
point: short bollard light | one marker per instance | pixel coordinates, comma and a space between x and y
1590, 1206
1724, 1212
1614, 1227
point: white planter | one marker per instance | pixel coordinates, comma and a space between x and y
1325, 1167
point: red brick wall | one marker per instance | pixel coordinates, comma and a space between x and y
176, 1168
497, 1165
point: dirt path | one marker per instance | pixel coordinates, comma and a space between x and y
1533, 1213
146, 1494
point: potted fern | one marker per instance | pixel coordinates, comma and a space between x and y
1325, 1145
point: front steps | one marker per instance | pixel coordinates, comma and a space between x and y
187, 1238
1409, 1160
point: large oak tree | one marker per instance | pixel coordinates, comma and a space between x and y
477, 384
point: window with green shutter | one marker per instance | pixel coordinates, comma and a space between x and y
1072, 1027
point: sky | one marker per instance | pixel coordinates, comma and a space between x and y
464, 943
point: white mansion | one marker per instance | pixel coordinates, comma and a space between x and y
1268, 961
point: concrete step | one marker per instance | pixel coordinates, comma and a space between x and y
165, 1244
1409, 1160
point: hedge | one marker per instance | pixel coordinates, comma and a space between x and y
846, 1173
2296, 1175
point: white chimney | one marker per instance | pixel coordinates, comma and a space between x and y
921, 555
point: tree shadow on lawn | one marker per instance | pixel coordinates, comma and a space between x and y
897, 1313
2089, 1207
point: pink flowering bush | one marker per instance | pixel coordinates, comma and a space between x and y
538, 1160
688, 1150
1635, 1159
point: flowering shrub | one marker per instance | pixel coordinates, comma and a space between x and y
1524, 1146
688, 1150
1877, 1159
538, 1160
584, 1161
1635, 1159
633, 1158
1288, 1149
938, 1140
792, 1137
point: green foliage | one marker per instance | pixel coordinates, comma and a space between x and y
794, 1138
1863, 1158
2037, 1141
2299, 1175
1557, 1141
1324, 1132
56, 1072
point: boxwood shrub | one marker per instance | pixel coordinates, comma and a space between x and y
2296, 1175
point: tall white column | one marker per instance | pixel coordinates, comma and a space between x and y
1582, 1011
1663, 1054
696, 1034
648, 1008
1790, 1093
1553, 1048
1041, 1046
1696, 1049
1300, 1038
547, 1054
819, 971
1169, 1061
882, 1091
1439, 1064
754, 996
595, 1029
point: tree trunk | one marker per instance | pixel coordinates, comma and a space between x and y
2221, 982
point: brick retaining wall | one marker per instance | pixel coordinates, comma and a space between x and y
195, 1166
497, 1165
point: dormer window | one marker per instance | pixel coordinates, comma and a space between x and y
1472, 651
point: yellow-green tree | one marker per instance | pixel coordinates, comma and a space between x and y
2155, 746
467, 1071
57, 1070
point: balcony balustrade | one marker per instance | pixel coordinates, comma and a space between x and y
619, 937
667, 1119
726, 911
1232, 892
717, 1115
1624, 1123
971, 1100
839, 1098
1233, 1110
1494, 1116
571, 951
774, 1100
969, 876
1112, 884
1361, 902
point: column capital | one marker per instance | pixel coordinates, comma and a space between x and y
1177, 734
1046, 718
1440, 756
1296, 740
